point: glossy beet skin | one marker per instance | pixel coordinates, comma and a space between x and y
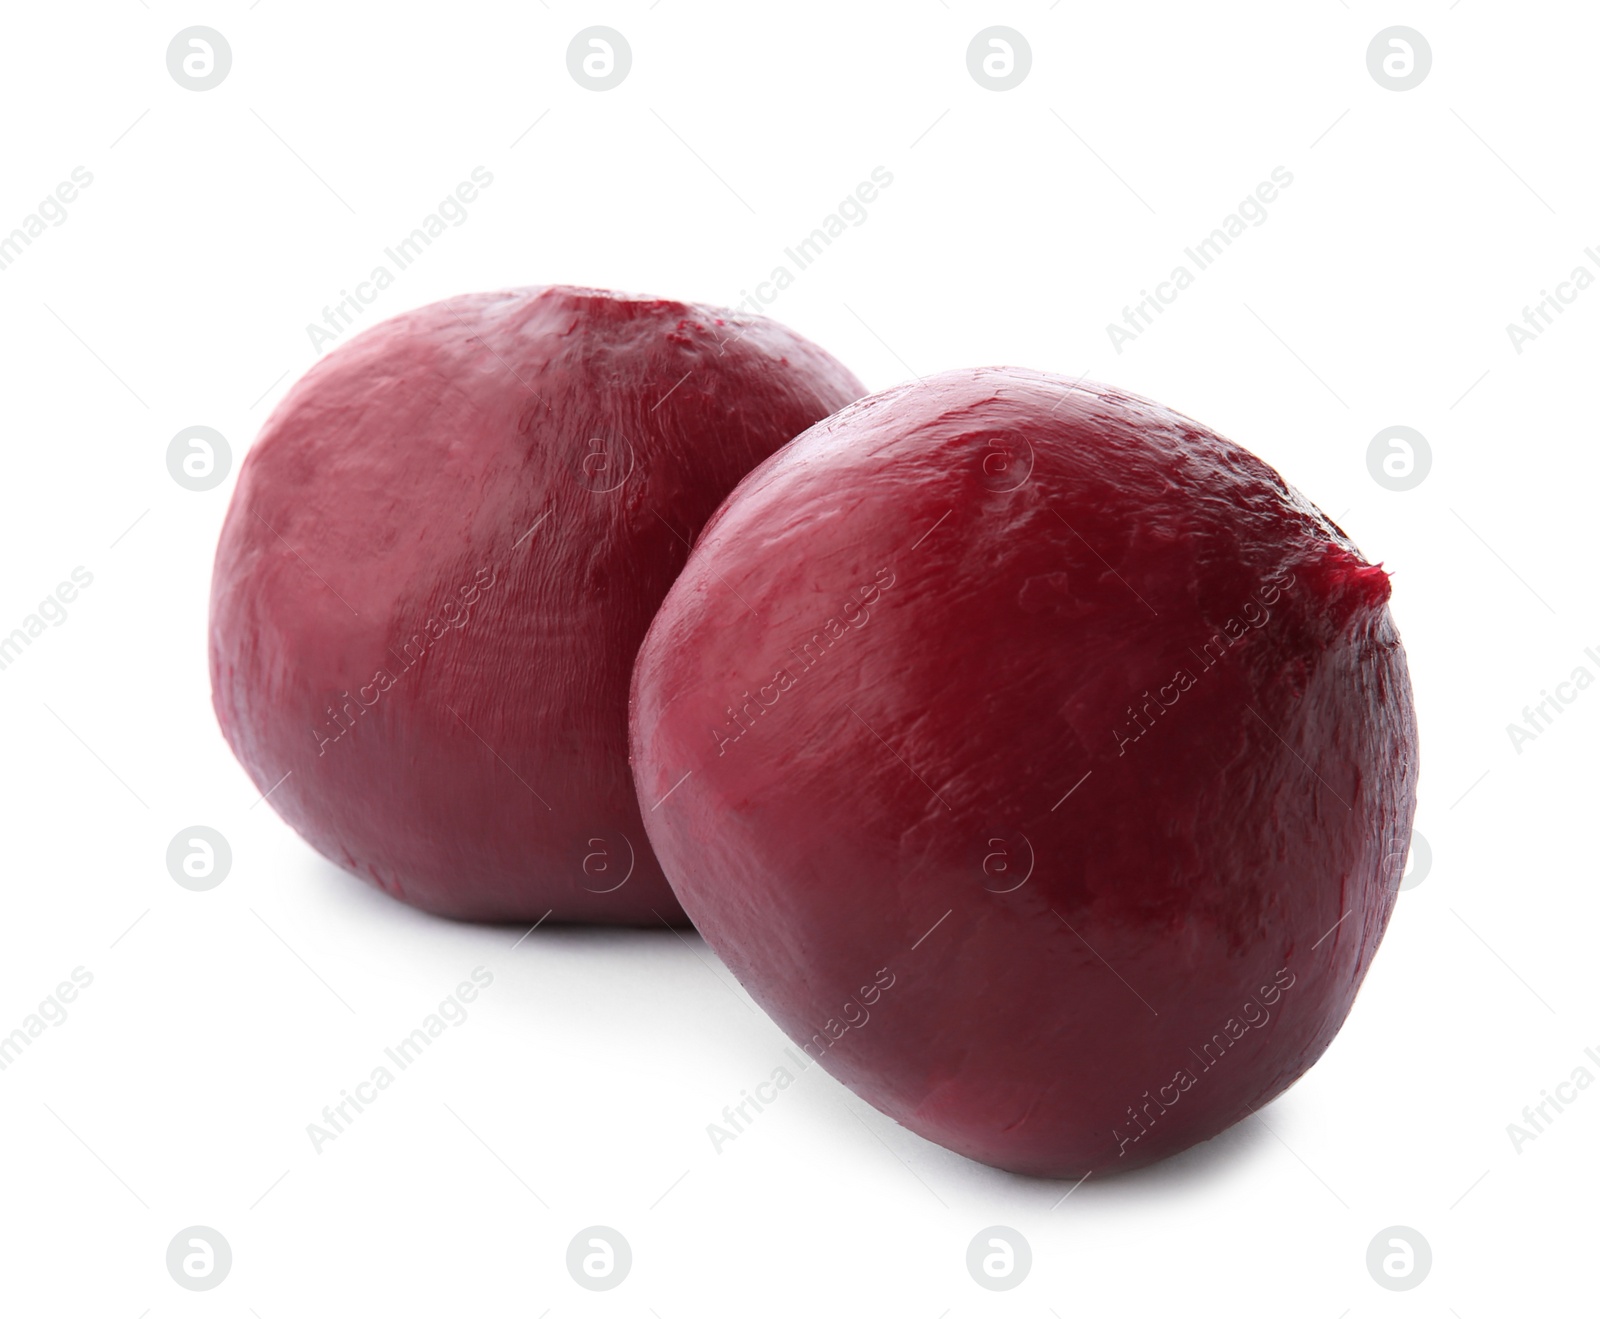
444, 550
1050, 763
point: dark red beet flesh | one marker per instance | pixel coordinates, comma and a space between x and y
443, 552
1046, 755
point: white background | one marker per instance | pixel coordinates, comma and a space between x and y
1018, 223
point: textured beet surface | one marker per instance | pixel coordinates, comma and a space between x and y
443, 552
1064, 717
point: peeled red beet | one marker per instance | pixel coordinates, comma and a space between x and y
442, 554
1037, 759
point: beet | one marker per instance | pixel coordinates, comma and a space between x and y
1032, 755
443, 552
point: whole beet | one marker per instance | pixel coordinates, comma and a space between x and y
1038, 759
441, 556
